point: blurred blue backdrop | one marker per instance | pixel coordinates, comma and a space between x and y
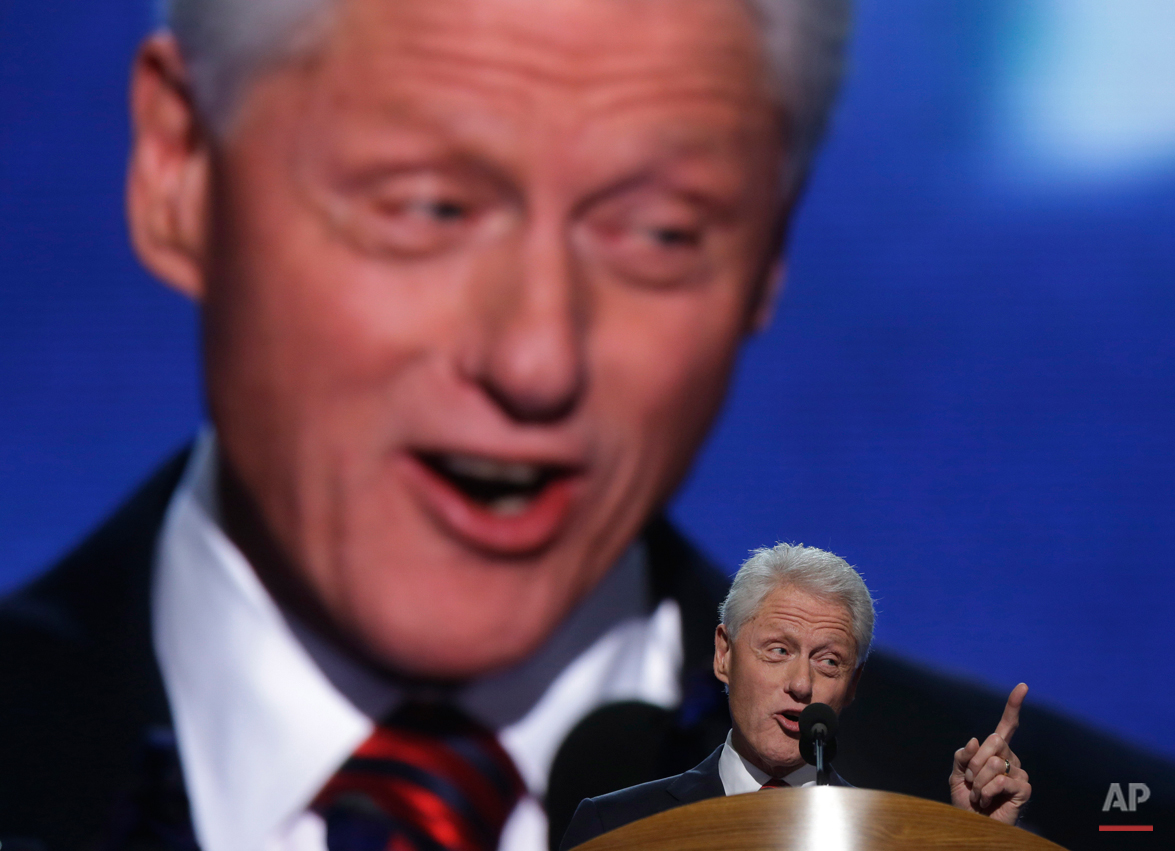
968, 391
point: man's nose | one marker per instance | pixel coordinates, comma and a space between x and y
799, 682
532, 361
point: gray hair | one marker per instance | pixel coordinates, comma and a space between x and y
226, 42
818, 572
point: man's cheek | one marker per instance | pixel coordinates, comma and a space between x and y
684, 388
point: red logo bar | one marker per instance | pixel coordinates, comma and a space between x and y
1116, 827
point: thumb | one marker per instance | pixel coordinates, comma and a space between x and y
963, 756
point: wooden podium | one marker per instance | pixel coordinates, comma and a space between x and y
825, 818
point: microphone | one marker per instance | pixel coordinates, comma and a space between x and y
818, 726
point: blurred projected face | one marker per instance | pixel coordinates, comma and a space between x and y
798, 649
477, 276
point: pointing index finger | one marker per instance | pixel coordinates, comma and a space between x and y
1011, 717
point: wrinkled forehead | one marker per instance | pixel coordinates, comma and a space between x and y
793, 610
570, 41
522, 78
596, 52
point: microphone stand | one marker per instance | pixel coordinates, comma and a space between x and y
819, 732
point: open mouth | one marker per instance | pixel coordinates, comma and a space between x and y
790, 721
503, 507
505, 488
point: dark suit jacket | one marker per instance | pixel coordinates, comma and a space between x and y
84, 721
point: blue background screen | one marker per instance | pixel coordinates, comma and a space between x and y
967, 390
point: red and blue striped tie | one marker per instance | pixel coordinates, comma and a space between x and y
428, 779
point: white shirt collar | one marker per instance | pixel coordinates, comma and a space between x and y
265, 711
259, 731
740, 776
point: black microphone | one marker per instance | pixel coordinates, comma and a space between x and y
818, 726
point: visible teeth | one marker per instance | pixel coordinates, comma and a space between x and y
509, 506
488, 470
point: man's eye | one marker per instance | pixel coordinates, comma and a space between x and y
444, 211
414, 220
428, 210
676, 237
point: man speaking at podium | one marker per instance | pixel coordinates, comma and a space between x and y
795, 630
472, 276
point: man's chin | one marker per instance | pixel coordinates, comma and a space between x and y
461, 615
450, 664
783, 759
452, 646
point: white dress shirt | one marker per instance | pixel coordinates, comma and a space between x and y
739, 776
265, 711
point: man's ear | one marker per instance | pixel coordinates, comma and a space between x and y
767, 297
169, 172
774, 270
852, 692
722, 654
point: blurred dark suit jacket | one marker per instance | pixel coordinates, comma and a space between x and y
84, 721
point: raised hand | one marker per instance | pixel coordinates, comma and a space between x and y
987, 778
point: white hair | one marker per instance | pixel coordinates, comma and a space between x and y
818, 572
226, 42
